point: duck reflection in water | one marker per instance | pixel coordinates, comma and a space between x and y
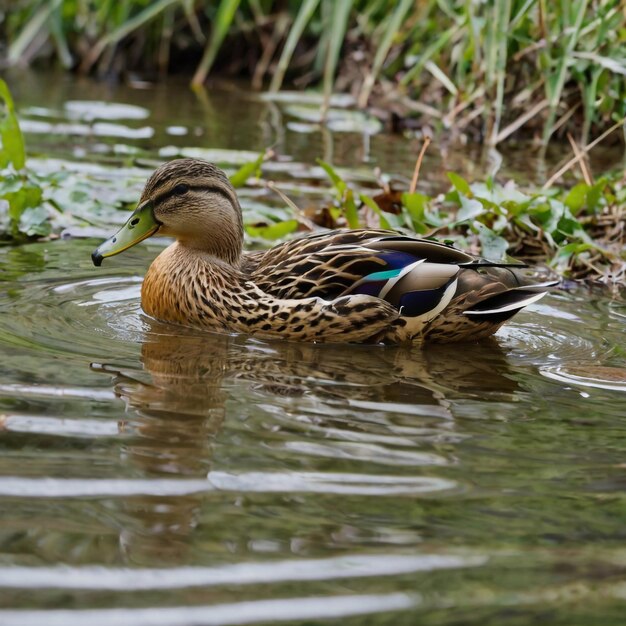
202, 384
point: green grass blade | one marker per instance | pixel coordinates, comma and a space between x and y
325, 13
127, 27
13, 150
307, 8
351, 213
192, 20
554, 85
441, 76
521, 12
336, 179
31, 30
616, 66
490, 51
372, 204
240, 177
341, 11
503, 17
393, 27
223, 20
429, 53
60, 41
145, 16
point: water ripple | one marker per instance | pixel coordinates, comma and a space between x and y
211, 479
366, 452
279, 610
319, 482
88, 428
591, 375
267, 572
250, 482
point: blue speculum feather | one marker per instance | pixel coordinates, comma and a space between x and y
417, 302
372, 284
412, 303
397, 260
371, 288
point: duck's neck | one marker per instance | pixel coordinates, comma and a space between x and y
181, 275
227, 246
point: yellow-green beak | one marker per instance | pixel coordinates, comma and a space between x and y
139, 226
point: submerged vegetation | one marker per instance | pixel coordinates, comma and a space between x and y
483, 69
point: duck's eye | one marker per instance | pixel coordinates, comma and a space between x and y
181, 189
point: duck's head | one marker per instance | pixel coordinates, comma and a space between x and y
191, 200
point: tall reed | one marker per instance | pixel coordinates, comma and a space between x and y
493, 67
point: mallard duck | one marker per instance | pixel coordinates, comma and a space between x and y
365, 286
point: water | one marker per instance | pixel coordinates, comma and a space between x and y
153, 475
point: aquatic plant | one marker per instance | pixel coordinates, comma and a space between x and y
484, 68
579, 231
20, 192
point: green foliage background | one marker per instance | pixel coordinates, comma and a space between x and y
492, 67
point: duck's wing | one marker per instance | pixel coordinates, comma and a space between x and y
419, 277
341, 262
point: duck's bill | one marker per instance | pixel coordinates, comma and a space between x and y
140, 225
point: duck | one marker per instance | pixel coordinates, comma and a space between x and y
337, 286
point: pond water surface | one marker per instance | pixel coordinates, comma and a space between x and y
152, 475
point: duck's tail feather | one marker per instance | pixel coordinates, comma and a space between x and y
505, 304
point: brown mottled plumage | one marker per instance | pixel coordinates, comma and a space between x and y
338, 286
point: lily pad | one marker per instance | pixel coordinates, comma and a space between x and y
338, 120
97, 110
215, 155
